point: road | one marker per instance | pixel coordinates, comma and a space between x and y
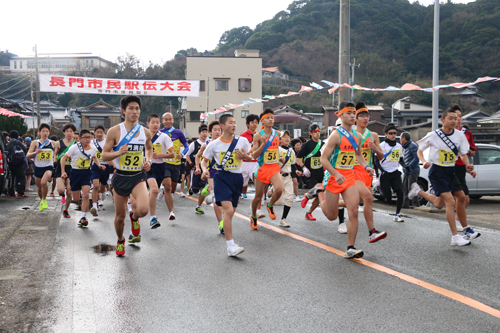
179, 278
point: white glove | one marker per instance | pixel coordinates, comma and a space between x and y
306, 172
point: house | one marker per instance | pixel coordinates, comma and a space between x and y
99, 112
52, 113
58, 63
407, 113
287, 118
224, 80
317, 118
474, 116
469, 94
273, 72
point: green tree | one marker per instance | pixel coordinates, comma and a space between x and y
13, 123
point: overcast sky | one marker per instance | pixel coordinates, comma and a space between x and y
151, 30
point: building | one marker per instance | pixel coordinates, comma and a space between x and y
58, 63
474, 116
224, 80
51, 113
316, 118
407, 113
98, 113
469, 94
273, 72
286, 118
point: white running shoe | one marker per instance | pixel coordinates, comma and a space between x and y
361, 209
93, 211
161, 194
108, 193
129, 207
353, 253
260, 215
100, 203
459, 240
172, 216
459, 226
284, 223
209, 198
234, 250
182, 195
298, 198
414, 189
398, 218
342, 228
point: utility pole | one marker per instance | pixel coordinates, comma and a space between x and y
435, 68
353, 65
37, 91
344, 48
32, 104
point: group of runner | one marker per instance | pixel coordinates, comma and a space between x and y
144, 164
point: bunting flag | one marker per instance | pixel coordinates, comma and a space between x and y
336, 86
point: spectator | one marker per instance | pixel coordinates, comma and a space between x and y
6, 136
411, 170
17, 160
31, 166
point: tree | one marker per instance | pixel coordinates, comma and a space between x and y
13, 123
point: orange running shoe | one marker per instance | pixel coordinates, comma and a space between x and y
272, 214
253, 223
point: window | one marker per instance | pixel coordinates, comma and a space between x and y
194, 115
408, 122
202, 85
407, 106
489, 156
91, 63
31, 64
221, 85
245, 84
95, 121
20, 64
87, 63
244, 113
15, 64
217, 115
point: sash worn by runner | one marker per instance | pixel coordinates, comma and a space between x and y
66, 150
96, 144
79, 145
153, 139
228, 153
268, 143
446, 140
170, 130
349, 137
127, 138
463, 129
287, 157
315, 150
44, 144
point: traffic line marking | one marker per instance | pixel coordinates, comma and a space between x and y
429, 286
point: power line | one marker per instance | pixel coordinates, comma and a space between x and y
1, 92
20, 91
16, 78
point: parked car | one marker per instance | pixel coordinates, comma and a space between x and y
486, 163
3, 165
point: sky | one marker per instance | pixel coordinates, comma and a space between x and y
151, 30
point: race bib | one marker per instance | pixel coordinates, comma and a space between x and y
283, 155
345, 160
316, 163
446, 157
99, 156
367, 154
131, 161
232, 163
82, 163
395, 155
44, 156
68, 161
271, 156
157, 148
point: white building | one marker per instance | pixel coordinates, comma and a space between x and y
57, 64
224, 80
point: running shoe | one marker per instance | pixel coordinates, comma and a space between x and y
260, 214
103, 197
221, 227
42, 205
353, 253
310, 217
270, 210
22, 195
129, 207
100, 203
204, 192
284, 223
414, 189
470, 234
199, 211
136, 227
134, 239
398, 218
244, 195
234, 250
120, 248
313, 193
253, 223
83, 222
191, 191
459, 240
161, 194
459, 226
304, 201
93, 211
342, 228
209, 199
154, 223
172, 216
297, 198
66, 214
63, 199
108, 193
376, 236
52, 194
361, 208
182, 195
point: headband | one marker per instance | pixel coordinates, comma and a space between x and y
344, 110
266, 115
361, 110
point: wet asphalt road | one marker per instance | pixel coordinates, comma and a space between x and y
179, 278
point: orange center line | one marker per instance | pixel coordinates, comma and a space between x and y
429, 286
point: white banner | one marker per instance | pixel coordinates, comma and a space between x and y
92, 85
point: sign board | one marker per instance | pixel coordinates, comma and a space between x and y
297, 132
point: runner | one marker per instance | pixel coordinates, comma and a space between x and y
173, 165
43, 152
296, 169
266, 148
80, 175
100, 173
56, 166
339, 156
460, 172
76, 137
196, 183
126, 144
61, 148
388, 165
445, 146
308, 158
369, 142
287, 160
228, 151
248, 168
162, 148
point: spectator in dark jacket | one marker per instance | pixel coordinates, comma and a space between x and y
18, 170
411, 170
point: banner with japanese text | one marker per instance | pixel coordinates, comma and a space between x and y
92, 85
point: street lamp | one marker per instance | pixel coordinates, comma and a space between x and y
392, 108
